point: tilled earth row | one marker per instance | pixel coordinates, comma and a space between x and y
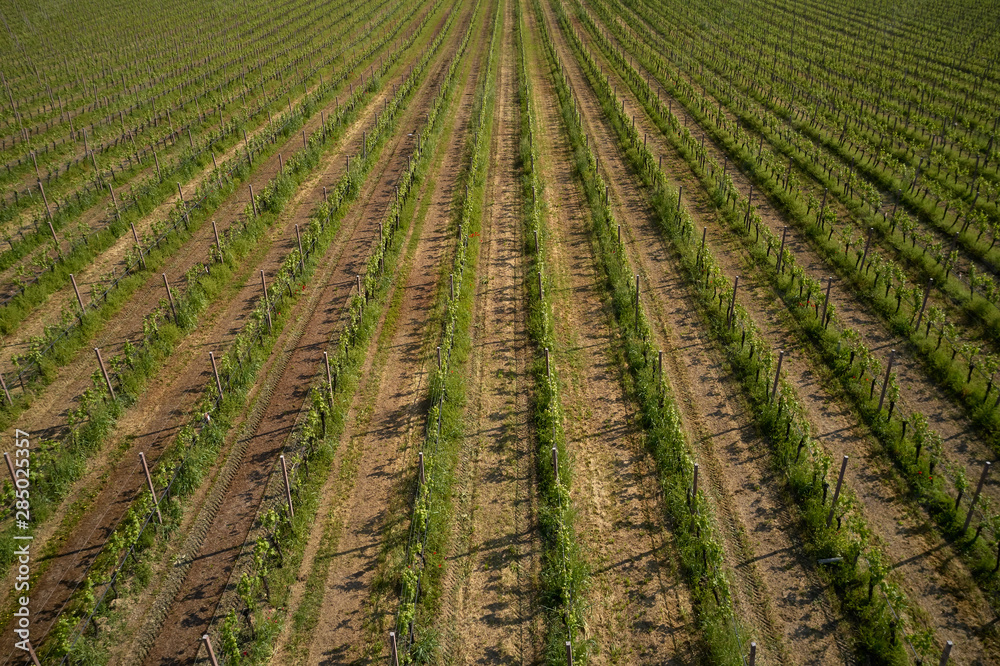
153, 424
301, 349
639, 610
939, 585
492, 613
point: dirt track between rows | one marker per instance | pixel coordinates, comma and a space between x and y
300, 350
166, 405
777, 590
381, 443
638, 607
491, 613
938, 583
919, 391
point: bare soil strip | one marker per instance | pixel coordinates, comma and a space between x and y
167, 402
639, 611
918, 390
491, 609
776, 586
47, 414
301, 346
938, 584
382, 441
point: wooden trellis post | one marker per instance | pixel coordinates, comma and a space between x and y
329, 377
48, 215
77, 291
637, 303
780, 266
927, 292
946, 653
288, 487
215, 371
10, 468
302, 256
34, 657
138, 246
868, 243
170, 296
885, 382
746, 218
777, 374
187, 218
694, 488
732, 303
114, 200
836, 493
208, 646
149, 482
104, 371
826, 301
218, 243
267, 304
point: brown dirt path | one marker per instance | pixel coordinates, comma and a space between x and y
777, 589
104, 204
301, 346
919, 392
172, 394
382, 440
111, 259
807, 181
638, 608
938, 584
491, 614
47, 416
